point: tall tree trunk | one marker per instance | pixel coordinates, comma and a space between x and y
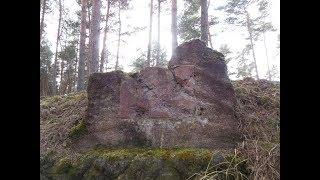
88, 45
266, 50
119, 37
150, 34
104, 50
44, 2
94, 37
55, 64
159, 48
252, 45
210, 41
75, 74
204, 21
70, 80
44, 84
174, 25
82, 47
89, 17
209, 34
62, 78
86, 69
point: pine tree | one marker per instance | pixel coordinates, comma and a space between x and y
189, 26
44, 8
119, 36
273, 73
82, 53
237, 11
122, 5
69, 48
159, 15
174, 25
45, 69
244, 68
55, 64
150, 34
263, 27
189, 23
68, 58
104, 49
249, 27
160, 61
94, 36
204, 21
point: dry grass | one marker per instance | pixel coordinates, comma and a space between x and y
58, 116
258, 112
258, 109
232, 167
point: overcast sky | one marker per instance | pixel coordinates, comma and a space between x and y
138, 16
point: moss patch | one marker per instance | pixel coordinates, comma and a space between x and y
135, 163
78, 130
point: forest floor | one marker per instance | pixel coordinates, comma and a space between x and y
257, 157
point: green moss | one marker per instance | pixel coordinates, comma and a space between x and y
63, 166
66, 169
78, 130
138, 163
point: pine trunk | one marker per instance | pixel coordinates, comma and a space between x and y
104, 50
209, 34
55, 64
62, 79
174, 25
88, 45
252, 45
204, 21
44, 85
159, 48
75, 74
89, 17
150, 35
119, 38
94, 37
42, 18
82, 47
266, 50
210, 41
